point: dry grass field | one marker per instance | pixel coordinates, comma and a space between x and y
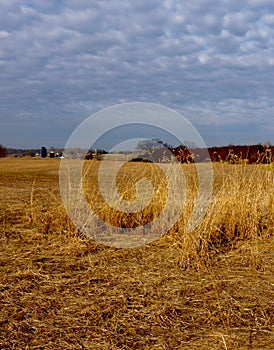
209, 289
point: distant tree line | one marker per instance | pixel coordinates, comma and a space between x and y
157, 151
3, 151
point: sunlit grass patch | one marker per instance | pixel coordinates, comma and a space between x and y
209, 289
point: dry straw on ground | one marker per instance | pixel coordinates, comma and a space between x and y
211, 289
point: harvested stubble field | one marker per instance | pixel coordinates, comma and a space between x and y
211, 289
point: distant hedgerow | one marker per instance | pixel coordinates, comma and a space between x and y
3, 151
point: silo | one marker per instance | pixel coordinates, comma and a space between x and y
43, 152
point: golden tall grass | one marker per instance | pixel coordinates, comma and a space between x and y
241, 208
207, 289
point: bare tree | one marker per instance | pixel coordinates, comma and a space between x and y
151, 145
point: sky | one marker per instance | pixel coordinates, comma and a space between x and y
61, 61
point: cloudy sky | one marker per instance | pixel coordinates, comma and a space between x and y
61, 61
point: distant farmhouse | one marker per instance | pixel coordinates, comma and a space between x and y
51, 154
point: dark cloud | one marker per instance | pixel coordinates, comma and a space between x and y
62, 61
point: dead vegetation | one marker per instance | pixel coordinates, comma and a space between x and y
211, 289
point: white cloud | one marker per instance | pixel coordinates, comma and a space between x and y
237, 23
269, 19
4, 34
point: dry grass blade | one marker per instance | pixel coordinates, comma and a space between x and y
210, 289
